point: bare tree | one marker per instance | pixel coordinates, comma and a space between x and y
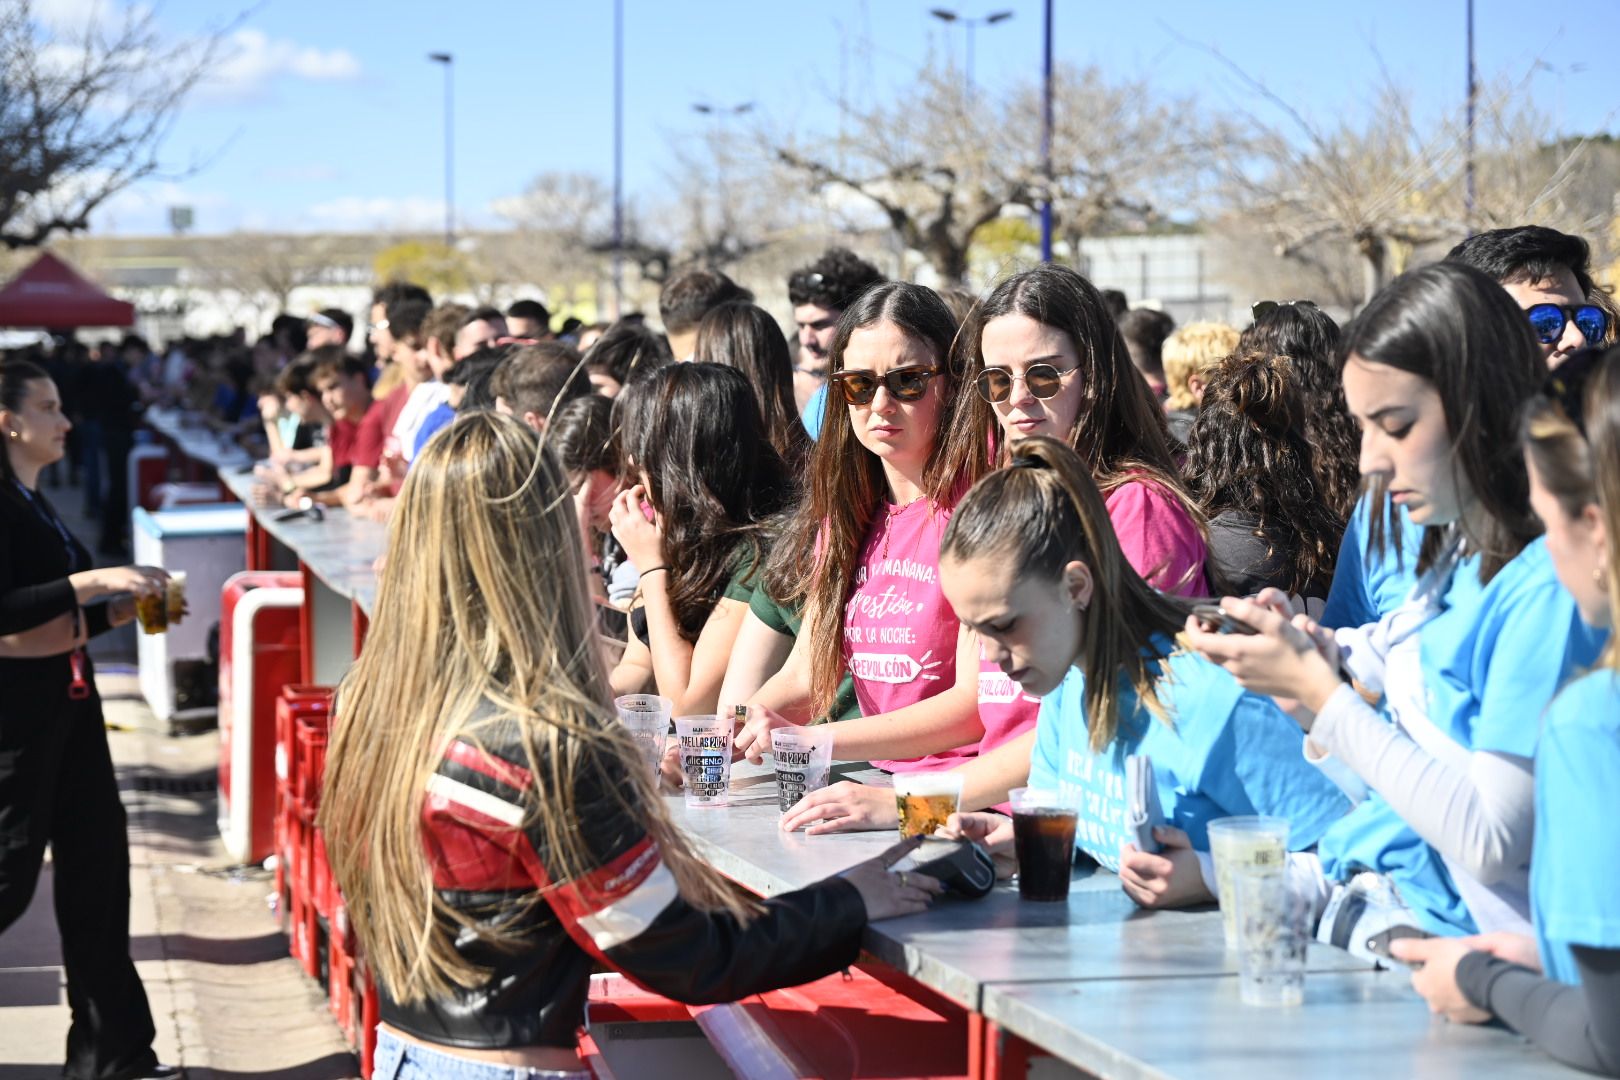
1392, 185
82, 115
931, 162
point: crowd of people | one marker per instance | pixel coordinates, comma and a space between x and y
959, 533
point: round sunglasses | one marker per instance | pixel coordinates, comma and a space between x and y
1549, 320
903, 383
1044, 381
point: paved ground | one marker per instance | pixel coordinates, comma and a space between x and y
229, 1003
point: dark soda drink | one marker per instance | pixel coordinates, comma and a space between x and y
1044, 840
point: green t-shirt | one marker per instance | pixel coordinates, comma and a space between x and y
785, 619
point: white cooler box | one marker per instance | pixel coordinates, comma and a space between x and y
179, 668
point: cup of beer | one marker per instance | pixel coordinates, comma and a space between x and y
925, 801
1043, 837
175, 597
1251, 844
152, 612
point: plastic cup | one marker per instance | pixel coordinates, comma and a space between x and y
1273, 921
802, 758
152, 611
1256, 844
1043, 837
647, 717
924, 801
175, 597
705, 743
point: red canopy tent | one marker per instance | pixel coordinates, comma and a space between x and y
52, 295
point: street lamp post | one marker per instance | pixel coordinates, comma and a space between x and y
448, 61
618, 158
1046, 138
720, 114
945, 15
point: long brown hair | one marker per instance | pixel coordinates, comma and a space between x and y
461, 641
1044, 513
847, 486
1247, 453
1573, 438
1459, 330
745, 336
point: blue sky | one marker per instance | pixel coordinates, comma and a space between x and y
329, 114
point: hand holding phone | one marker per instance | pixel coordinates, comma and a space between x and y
1213, 619
1378, 944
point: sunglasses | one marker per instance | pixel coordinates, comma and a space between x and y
1549, 320
1043, 380
903, 383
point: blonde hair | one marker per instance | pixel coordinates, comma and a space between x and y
1042, 513
1194, 349
482, 620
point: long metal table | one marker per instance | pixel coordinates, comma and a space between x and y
1097, 982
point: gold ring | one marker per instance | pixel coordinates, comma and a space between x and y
904, 884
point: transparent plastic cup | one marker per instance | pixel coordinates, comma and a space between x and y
923, 801
1254, 844
802, 757
1273, 923
1043, 836
705, 743
152, 611
647, 717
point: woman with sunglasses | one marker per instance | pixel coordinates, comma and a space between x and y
1561, 989
879, 497
1436, 368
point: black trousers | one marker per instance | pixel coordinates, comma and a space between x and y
57, 786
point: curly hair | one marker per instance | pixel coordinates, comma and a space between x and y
1309, 337
1193, 350
1248, 452
834, 281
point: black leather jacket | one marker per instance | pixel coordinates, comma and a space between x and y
491, 863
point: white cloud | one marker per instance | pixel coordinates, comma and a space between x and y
353, 213
254, 60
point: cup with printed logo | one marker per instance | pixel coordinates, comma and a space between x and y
925, 801
175, 597
647, 718
802, 757
705, 743
1043, 837
1272, 914
1255, 844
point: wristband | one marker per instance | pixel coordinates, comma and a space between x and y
654, 570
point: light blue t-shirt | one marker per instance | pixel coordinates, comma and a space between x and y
1224, 752
815, 410
1492, 660
1368, 587
1573, 886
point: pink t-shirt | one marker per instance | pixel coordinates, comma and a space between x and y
1159, 538
1005, 711
899, 633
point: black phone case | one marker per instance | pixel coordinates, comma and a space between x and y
963, 867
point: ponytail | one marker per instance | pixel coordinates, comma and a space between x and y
1043, 513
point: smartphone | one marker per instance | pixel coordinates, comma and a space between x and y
1214, 620
1378, 944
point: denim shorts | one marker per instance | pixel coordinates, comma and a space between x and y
397, 1059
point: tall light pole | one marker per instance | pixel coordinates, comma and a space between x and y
1468, 146
1046, 139
449, 63
720, 114
618, 158
945, 15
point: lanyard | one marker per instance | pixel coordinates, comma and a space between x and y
48, 516
78, 685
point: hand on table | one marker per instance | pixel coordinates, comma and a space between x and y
1168, 879
1518, 949
642, 540
754, 740
888, 894
1437, 981
1284, 660
843, 807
